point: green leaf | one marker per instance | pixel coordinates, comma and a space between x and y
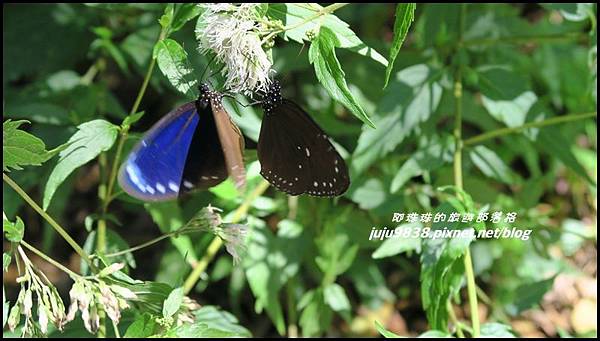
411, 98
496, 330
505, 95
173, 63
491, 165
428, 158
6, 258
442, 268
330, 74
218, 319
316, 315
386, 333
270, 262
336, 298
529, 295
20, 148
369, 194
393, 246
182, 14
131, 119
167, 18
87, 143
173, 302
299, 15
13, 231
405, 14
552, 141
143, 326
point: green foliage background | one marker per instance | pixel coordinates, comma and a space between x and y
520, 80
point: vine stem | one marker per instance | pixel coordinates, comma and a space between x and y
217, 242
50, 220
50, 260
511, 130
458, 178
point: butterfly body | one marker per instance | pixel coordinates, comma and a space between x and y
295, 154
195, 146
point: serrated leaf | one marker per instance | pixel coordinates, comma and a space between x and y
405, 14
173, 63
173, 302
19, 148
442, 268
330, 74
87, 143
13, 231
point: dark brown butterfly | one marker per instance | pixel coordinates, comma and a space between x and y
295, 154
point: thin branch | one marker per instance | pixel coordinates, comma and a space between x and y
50, 220
506, 131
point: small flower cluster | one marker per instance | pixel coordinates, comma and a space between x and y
234, 235
91, 296
232, 33
50, 307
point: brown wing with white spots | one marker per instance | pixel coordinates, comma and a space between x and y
293, 148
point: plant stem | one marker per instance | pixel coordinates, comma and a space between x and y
511, 130
101, 236
146, 244
217, 242
458, 178
125, 130
49, 260
454, 320
50, 220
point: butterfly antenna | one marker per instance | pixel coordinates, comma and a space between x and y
207, 67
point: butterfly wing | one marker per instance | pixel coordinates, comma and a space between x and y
205, 164
297, 157
232, 143
153, 170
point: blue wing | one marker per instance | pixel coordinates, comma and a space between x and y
153, 170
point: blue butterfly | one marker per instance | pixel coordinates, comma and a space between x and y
195, 146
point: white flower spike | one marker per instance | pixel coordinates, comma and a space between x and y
231, 32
